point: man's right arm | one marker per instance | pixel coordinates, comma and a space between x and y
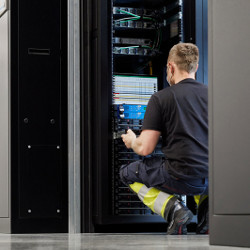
144, 144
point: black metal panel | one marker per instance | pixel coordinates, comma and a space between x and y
39, 116
101, 109
189, 21
40, 185
39, 74
96, 78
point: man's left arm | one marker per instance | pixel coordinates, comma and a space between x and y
144, 144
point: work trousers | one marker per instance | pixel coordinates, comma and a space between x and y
153, 173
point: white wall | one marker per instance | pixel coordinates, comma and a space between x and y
4, 124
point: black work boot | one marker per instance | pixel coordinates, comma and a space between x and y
203, 227
178, 217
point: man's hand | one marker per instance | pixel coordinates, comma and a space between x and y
129, 138
144, 144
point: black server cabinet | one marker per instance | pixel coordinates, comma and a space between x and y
39, 200
121, 37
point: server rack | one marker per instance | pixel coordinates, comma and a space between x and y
121, 37
38, 70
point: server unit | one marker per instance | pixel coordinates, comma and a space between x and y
125, 45
34, 117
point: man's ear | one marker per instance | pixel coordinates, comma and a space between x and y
172, 69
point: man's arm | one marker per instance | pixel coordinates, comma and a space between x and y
144, 144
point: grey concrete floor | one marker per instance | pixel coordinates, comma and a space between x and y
106, 241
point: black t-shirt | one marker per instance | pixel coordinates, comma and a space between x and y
180, 114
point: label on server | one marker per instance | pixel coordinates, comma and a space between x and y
126, 111
131, 89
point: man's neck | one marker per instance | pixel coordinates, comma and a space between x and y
184, 76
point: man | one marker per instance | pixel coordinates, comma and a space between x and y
179, 115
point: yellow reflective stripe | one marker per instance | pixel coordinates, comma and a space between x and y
150, 197
136, 186
197, 199
203, 197
164, 205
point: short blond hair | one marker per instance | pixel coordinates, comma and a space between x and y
185, 56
